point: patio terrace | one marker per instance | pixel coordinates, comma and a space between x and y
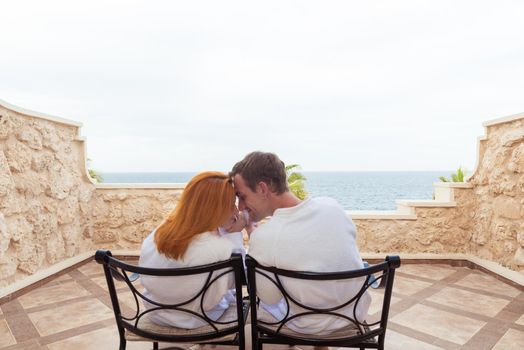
434, 306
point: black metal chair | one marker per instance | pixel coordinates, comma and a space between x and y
131, 315
353, 334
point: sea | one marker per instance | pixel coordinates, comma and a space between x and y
358, 190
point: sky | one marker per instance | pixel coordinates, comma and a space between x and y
330, 85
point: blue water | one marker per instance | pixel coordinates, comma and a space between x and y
366, 190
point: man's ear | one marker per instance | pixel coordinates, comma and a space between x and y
264, 189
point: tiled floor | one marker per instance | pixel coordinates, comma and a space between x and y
433, 307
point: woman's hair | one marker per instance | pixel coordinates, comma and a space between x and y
206, 203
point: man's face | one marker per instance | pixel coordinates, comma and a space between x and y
255, 202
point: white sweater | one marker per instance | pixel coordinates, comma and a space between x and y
315, 236
206, 248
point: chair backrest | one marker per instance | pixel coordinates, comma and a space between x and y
354, 331
125, 285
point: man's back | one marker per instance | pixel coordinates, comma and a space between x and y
315, 236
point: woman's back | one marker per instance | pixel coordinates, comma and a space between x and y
205, 248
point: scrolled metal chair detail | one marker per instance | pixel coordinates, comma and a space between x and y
354, 334
133, 323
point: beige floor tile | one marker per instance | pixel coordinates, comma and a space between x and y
398, 341
105, 338
6, 337
488, 283
433, 271
408, 286
520, 320
52, 294
64, 278
91, 268
441, 324
108, 338
70, 316
101, 281
376, 301
512, 340
469, 301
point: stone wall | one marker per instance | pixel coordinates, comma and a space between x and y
498, 222
43, 193
123, 217
51, 210
435, 230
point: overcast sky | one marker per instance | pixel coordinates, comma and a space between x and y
331, 85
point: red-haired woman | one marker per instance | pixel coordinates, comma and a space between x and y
190, 236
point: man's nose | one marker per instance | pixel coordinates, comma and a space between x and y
241, 205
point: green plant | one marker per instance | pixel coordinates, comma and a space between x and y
455, 177
95, 175
295, 181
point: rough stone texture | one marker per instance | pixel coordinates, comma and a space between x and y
50, 210
499, 196
122, 218
437, 230
40, 190
6, 180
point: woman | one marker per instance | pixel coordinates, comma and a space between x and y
190, 236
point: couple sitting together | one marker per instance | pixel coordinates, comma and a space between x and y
304, 235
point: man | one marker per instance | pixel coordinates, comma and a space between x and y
312, 235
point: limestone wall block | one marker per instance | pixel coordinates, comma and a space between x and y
5, 237
65, 155
512, 137
114, 216
520, 235
30, 183
67, 210
6, 180
49, 134
18, 156
506, 207
8, 123
12, 204
137, 233
105, 235
518, 258
72, 235
19, 228
516, 161
30, 255
114, 196
520, 184
100, 208
42, 161
138, 210
55, 248
45, 226
61, 181
50, 205
85, 193
8, 267
30, 137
